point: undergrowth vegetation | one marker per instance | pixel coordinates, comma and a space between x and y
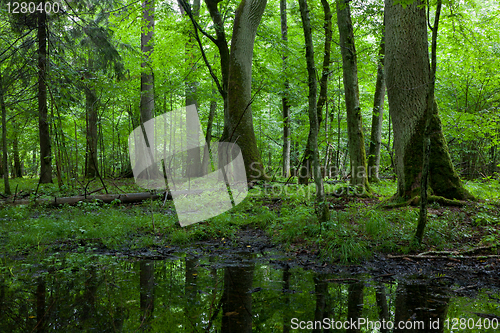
357, 229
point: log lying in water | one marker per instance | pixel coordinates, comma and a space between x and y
106, 198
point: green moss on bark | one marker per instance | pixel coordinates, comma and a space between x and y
444, 180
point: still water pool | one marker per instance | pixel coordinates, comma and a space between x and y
186, 292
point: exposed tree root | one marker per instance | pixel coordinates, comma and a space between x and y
415, 201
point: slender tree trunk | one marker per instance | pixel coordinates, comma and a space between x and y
377, 116
408, 78
221, 43
5, 165
147, 47
431, 110
239, 126
303, 178
43, 124
284, 100
91, 135
357, 153
322, 208
18, 173
208, 137
193, 162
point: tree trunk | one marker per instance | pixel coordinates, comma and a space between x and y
354, 120
193, 162
284, 100
221, 43
5, 165
147, 78
208, 137
18, 173
306, 162
43, 124
407, 78
91, 135
322, 207
239, 126
377, 116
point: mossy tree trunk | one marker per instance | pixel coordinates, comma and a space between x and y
239, 124
407, 78
322, 207
377, 117
357, 152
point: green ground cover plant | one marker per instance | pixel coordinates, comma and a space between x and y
358, 227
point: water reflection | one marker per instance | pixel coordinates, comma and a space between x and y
189, 293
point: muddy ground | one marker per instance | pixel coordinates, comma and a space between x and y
464, 276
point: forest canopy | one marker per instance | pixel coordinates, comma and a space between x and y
75, 82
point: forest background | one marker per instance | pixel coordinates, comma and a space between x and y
74, 84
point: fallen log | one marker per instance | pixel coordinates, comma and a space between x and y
126, 198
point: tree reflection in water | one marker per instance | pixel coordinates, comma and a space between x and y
237, 293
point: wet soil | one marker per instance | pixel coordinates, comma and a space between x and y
466, 275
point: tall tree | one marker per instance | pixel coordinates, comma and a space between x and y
377, 116
239, 125
5, 164
147, 47
91, 115
323, 83
193, 162
284, 100
322, 207
407, 78
43, 123
357, 153
431, 109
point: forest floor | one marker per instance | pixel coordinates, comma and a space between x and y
361, 232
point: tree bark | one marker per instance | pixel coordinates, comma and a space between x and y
5, 165
239, 126
221, 43
307, 160
147, 47
408, 78
322, 207
18, 172
431, 110
284, 100
43, 124
193, 162
91, 131
377, 116
350, 73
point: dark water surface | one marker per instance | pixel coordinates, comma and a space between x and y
78, 292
